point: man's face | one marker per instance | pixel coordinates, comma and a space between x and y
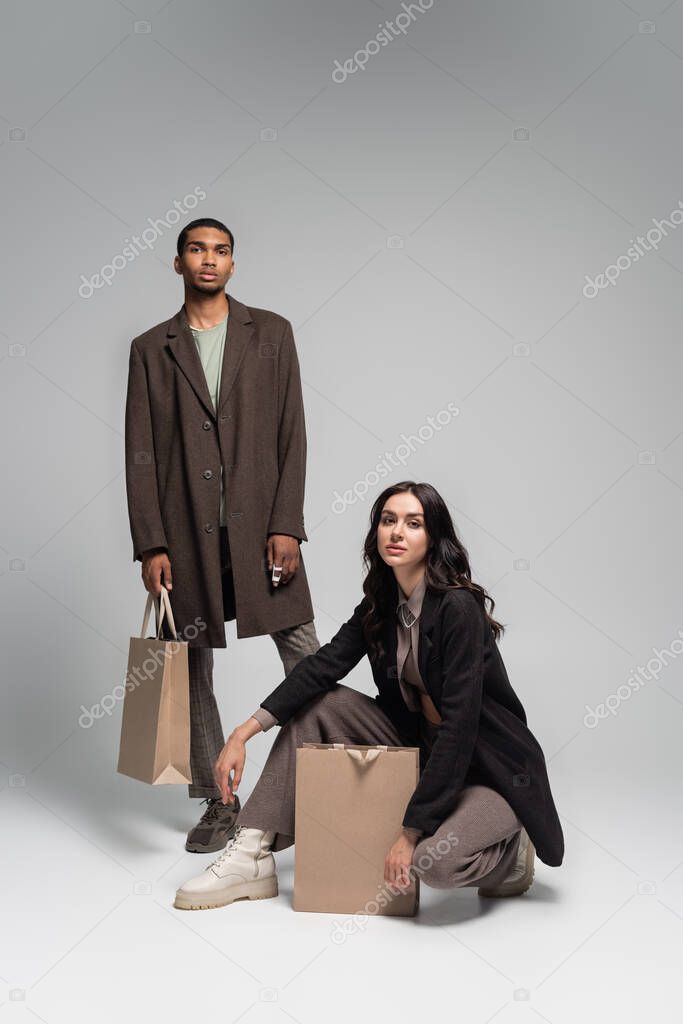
206, 263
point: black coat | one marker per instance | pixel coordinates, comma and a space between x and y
483, 736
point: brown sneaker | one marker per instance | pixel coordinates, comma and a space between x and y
216, 825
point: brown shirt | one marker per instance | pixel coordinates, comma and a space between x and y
408, 632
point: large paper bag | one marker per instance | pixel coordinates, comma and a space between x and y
155, 729
350, 802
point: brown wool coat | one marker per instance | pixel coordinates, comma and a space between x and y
175, 446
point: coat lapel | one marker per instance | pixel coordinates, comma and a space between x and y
184, 350
430, 606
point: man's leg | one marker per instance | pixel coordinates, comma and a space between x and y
294, 643
206, 731
477, 841
218, 821
341, 715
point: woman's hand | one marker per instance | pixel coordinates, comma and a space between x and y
398, 861
230, 759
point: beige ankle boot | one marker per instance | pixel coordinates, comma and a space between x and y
520, 876
244, 870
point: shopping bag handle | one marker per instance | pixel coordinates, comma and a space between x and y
365, 756
165, 606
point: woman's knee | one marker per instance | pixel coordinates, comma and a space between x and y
438, 862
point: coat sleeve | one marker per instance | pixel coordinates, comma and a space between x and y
318, 672
287, 513
462, 653
144, 514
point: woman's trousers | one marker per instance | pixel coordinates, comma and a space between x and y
486, 828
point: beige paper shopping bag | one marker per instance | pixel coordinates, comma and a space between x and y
155, 728
350, 802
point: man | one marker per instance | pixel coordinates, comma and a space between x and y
215, 474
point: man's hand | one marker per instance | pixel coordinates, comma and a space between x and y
283, 550
398, 861
155, 565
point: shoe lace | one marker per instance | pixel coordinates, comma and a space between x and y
230, 846
213, 809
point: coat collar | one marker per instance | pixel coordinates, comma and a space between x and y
184, 350
430, 606
413, 604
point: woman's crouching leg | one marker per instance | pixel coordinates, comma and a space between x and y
478, 839
340, 715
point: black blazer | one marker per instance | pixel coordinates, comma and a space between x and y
483, 735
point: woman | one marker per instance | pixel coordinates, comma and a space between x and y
442, 686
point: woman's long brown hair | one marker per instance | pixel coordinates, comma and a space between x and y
447, 564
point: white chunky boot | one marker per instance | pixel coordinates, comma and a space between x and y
244, 870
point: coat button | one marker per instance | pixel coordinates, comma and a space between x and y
209, 527
207, 474
206, 424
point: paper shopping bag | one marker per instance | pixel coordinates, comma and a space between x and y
155, 728
350, 802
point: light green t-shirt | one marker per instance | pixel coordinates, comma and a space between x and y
211, 345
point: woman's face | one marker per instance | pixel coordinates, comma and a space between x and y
401, 536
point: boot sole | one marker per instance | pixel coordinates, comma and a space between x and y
213, 847
263, 889
519, 887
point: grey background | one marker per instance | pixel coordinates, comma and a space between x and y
427, 225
